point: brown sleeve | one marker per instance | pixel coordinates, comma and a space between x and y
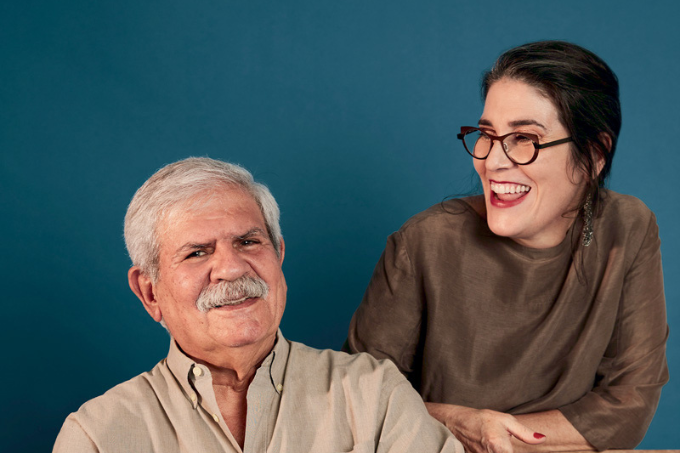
387, 323
617, 412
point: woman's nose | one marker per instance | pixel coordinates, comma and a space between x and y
497, 158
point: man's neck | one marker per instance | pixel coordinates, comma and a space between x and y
232, 401
233, 366
232, 370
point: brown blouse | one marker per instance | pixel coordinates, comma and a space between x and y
478, 320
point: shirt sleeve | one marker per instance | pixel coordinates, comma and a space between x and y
407, 425
620, 407
388, 322
73, 439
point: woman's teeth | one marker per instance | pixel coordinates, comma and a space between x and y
509, 188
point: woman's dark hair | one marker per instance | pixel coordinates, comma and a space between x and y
585, 92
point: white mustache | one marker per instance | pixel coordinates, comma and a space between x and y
231, 293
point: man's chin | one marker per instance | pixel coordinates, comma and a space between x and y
251, 337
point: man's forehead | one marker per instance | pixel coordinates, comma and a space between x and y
234, 201
222, 193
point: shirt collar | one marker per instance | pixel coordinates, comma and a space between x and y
186, 370
278, 362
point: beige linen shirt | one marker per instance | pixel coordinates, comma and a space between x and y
300, 400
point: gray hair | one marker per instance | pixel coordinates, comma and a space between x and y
172, 187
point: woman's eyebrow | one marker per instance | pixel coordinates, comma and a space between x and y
516, 123
527, 123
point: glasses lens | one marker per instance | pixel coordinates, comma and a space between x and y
520, 148
477, 143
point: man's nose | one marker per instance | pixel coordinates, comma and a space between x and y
228, 263
497, 159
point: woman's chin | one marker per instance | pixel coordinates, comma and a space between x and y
502, 225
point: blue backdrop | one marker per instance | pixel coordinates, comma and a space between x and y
348, 110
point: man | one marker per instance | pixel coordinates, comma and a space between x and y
206, 247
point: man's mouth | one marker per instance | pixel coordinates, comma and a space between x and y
232, 302
508, 191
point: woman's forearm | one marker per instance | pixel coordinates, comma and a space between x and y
560, 434
482, 430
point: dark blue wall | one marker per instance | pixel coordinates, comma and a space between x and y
347, 109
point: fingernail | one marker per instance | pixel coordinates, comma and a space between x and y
539, 435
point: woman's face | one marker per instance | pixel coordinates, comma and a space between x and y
531, 204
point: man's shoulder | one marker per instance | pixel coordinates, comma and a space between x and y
364, 396
143, 394
361, 383
141, 414
330, 365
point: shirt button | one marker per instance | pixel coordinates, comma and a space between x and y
198, 371
193, 397
279, 388
216, 418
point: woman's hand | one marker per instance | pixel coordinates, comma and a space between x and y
482, 430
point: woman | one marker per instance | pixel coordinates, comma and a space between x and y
532, 317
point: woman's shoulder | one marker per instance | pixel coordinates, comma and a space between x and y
624, 210
450, 212
625, 222
445, 225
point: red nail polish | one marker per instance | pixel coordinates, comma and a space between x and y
539, 435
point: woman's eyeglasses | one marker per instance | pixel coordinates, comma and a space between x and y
521, 148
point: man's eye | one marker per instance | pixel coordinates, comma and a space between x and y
249, 242
196, 254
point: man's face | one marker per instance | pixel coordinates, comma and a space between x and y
222, 240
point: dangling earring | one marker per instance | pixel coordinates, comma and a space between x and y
588, 222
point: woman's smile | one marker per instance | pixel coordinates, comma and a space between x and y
507, 194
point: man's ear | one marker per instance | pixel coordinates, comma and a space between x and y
141, 285
282, 251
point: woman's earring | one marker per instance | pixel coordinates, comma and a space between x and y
588, 222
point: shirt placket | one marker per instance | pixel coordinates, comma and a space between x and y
205, 398
263, 407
